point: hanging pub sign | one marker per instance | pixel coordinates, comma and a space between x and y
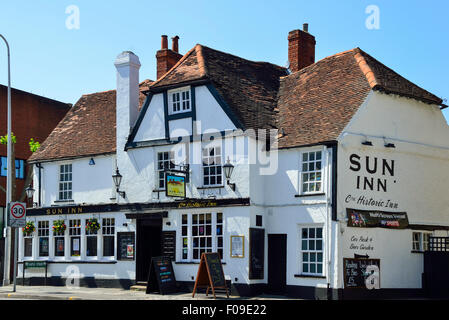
376, 219
175, 186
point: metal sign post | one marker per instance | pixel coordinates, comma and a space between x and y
17, 219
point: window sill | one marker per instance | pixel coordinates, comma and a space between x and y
74, 261
309, 195
309, 276
190, 262
210, 187
64, 201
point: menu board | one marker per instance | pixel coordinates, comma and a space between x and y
256, 253
161, 277
125, 245
355, 271
210, 274
169, 244
215, 269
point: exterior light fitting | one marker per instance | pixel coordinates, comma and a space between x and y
228, 168
30, 192
117, 177
91, 162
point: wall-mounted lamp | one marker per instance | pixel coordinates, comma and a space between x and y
91, 162
367, 143
168, 223
30, 192
228, 168
117, 177
389, 145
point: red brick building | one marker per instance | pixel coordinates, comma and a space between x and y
32, 116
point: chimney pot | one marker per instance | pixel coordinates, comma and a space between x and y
164, 42
174, 42
305, 27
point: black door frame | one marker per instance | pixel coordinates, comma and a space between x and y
277, 269
141, 224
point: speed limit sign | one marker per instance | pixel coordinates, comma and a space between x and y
17, 214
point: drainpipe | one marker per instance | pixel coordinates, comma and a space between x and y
328, 220
39, 166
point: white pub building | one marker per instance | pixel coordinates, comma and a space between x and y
325, 180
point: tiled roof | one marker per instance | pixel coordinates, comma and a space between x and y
310, 106
87, 129
248, 87
316, 103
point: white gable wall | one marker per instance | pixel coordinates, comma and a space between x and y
418, 185
209, 114
152, 126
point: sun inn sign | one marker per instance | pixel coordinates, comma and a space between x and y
371, 166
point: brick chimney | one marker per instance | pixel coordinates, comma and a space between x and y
165, 57
301, 48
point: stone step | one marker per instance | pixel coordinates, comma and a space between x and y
138, 287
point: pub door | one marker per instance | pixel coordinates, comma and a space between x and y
277, 263
148, 245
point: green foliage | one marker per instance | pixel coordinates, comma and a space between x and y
34, 145
4, 139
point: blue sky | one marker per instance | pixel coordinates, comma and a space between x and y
60, 63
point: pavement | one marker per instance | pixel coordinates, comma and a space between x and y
83, 293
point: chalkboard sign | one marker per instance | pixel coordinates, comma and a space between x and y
355, 271
210, 274
161, 277
125, 246
169, 244
256, 253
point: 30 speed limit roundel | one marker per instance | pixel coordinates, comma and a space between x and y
18, 210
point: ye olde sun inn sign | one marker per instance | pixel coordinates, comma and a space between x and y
360, 197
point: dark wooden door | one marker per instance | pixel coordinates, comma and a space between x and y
148, 245
277, 263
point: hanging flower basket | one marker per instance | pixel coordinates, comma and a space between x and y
29, 228
92, 225
59, 226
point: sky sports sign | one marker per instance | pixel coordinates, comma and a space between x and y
376, 219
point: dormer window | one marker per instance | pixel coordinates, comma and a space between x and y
179, 100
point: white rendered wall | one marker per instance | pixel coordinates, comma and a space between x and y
153, 126
418, 186
209, 113
91, 184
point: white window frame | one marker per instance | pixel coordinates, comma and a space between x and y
184, 102
205, 155
423, 245
159, 170
320, 171
311, 251
108, 233
65, 180
214, 236
43, 232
